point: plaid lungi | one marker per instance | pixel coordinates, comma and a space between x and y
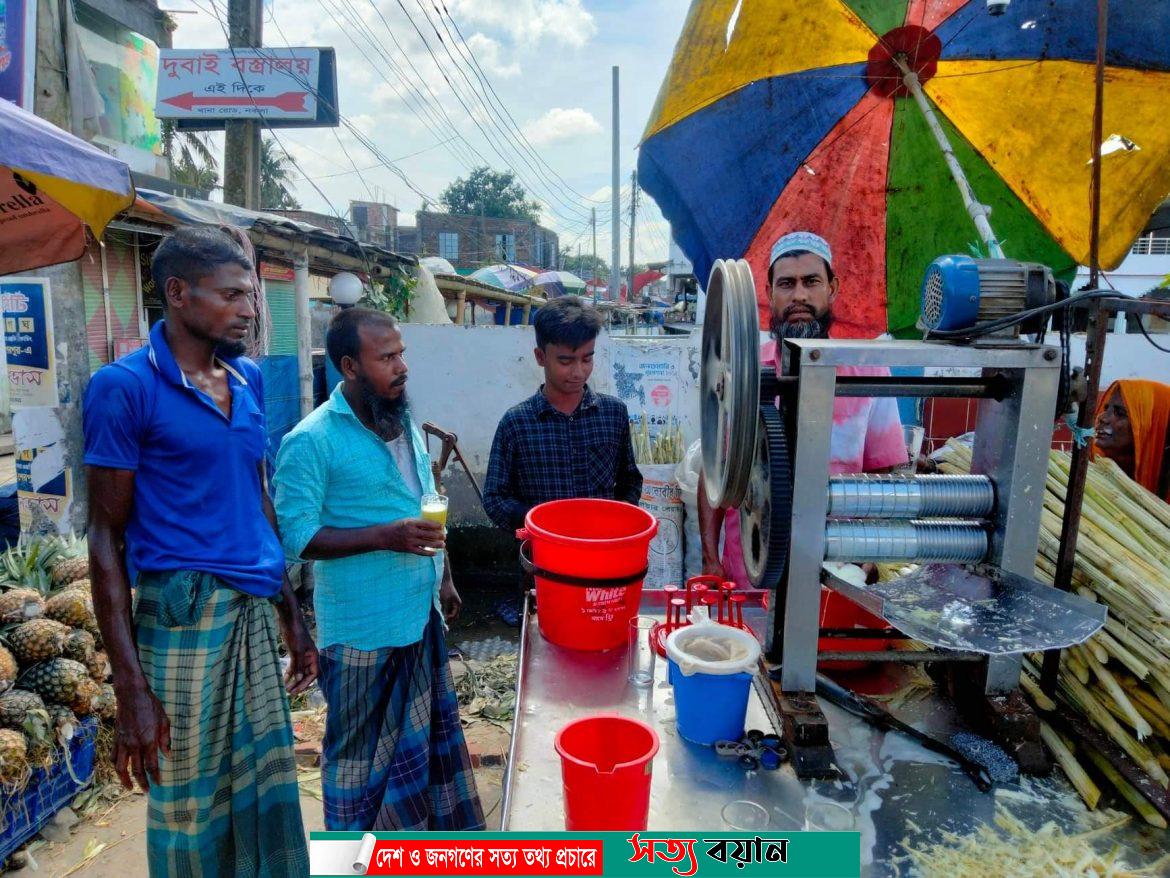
228, 804
394, 756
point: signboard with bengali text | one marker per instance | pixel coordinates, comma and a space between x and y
203, 88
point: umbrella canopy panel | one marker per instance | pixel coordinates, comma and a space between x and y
50, 184
511, 278
755, 134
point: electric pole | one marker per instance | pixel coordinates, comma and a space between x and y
241, 149
615, 228
633, 218
593, 267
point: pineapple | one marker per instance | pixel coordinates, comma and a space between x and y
15, 707
69, 570
87, 697
99, 667
106, 705
38, 640
82, 585
13, 755
64, 722
71, 607
40, 738
19, 605
26, 564
8, 669
79, 646
60, 680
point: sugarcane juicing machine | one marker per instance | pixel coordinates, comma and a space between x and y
971, 598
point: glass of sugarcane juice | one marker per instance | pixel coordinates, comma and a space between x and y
434, 508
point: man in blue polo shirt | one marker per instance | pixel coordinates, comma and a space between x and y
175, 437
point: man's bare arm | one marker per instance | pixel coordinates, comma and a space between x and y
142, 727
710, 528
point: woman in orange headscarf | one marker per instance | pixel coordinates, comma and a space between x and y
1133, 419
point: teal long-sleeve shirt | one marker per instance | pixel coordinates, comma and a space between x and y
332, 471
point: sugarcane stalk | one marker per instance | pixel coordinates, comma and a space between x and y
1115, 650
1131, 795
1032, 690
1077, 775
1076, 665
1092, 708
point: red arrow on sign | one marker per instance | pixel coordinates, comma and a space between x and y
290, 101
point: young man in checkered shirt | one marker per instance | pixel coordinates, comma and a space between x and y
565, 441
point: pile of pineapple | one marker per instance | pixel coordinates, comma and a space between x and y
53, 671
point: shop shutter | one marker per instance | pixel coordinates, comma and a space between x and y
282, 314
122, 274
95, 314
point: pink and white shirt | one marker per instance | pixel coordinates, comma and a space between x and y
866, 436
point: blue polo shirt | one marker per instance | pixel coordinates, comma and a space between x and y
197, 491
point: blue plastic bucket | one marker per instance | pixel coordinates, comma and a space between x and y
710, 707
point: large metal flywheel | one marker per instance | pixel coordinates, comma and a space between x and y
729, 382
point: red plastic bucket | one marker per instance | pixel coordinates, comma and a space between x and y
837, 611
588, 558
606, 763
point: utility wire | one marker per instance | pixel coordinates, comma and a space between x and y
492, 142
492, 97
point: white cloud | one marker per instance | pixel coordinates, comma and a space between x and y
488, 53
530, 21
561, 124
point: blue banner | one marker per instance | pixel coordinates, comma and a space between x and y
28, 342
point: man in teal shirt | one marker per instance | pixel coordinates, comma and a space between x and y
349, 483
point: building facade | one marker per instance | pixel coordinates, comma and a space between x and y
469, 242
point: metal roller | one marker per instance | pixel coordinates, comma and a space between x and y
954, 542
943, 496
729, 382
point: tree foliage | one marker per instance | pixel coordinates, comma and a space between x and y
492, 193
275, 178
586, 267
192, 161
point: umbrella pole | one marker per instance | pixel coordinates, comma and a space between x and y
975, 207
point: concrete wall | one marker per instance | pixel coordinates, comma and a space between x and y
464, 378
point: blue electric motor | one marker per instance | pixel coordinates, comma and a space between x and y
959, 292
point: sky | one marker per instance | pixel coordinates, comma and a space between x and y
548, 61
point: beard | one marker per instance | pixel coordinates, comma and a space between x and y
389, 415
782, 328
231, 349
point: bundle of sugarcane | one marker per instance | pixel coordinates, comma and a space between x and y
665, 446
1120, 679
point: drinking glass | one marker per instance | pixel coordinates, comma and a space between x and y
641, 653
434, 508
912, 438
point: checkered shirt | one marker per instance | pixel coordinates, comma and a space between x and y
540, 454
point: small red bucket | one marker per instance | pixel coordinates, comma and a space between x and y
837, 611
606, 765
589, 558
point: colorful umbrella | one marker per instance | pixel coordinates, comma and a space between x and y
646, 278
778, 115
558, 283
52, 185
510, 278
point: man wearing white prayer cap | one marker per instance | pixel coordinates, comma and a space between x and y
867, 432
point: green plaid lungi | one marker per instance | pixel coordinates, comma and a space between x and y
394, 753
228, 805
